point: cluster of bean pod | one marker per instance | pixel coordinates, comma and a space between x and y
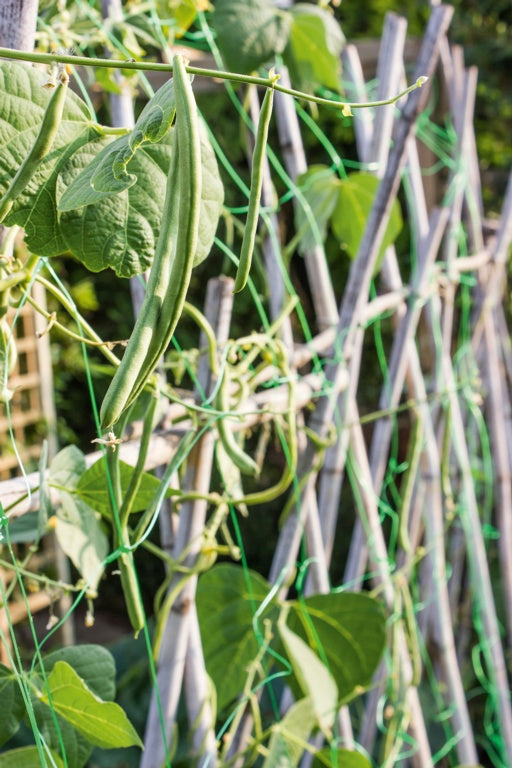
173, 261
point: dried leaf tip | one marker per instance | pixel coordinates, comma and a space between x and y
421, 81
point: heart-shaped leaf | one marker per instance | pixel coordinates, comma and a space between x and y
355, 199
101, 723
227, 601
93, 489
249, 32
314, 48
348, 630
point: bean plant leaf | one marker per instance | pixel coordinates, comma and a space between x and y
24, 529
313, 677
249, 32
314, 48
23, 100
36, 210
286, 745
103, 724
118, 231
13, 706
227, 600
28, 757
61, 736
344, 758
355, 200
93, 489
123, 227
66, 468
93, 663
179, 14
343, 205
319, 188
82, 538
212, 197
108, 174
349, 628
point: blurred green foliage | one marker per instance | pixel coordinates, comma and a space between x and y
484, 29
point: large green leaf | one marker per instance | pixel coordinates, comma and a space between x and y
319, 187
23, 100
181, 12
93, 488
212, 197
12, 708
24, 528
102, 723
314, 48
93, 663
123, 224
348, 629
107, 174
81, 537
342, 758
227, 600
315, 680
355, 200
286, 745
66, 468
117, 230
249, 32
60, 735
27, 757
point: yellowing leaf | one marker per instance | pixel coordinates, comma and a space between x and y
102, 723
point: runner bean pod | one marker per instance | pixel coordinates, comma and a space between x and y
173, 261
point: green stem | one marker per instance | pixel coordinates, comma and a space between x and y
73, 312
60, 585
253, 670
136, 478
267, 82
15, 278
208, 331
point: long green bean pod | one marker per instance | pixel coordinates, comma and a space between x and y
190, 186
138, 471
127, 571
51, 121
173, 262
118, 395
131, 591
253, 211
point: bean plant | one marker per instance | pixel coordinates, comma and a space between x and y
151, 199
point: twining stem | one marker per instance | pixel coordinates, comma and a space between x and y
54, 323
68, 306
33, 576
204, 325
268, 82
